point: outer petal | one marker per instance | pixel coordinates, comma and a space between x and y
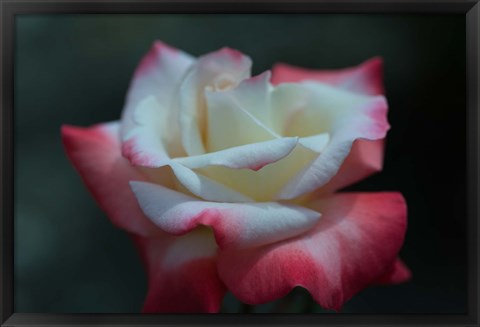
345, 116
181, 271
149, 100
236, 225
366, 78
215, 71
352, 246
365, 158
398, 273
95, 153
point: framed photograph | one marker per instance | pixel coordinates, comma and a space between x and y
221, 163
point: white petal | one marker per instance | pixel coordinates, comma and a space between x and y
230, 125
264, 184
157, 76
216, 70
235, 224
252, 156
253, 95
205, 187
315, 142
346, 117
143, 144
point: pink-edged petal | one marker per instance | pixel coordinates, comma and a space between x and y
148, 105
365, 158
398, 273
346, 117
95, 153
215, 71
144, 145
252, 156
182, 276
351, 247
235, 225
366, 78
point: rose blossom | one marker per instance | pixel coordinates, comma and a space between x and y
226, 181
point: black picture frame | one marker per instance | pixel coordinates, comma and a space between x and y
10, 8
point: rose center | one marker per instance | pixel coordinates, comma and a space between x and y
223, 82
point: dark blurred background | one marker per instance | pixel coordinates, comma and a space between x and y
73, 69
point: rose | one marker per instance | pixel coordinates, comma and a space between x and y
227, 181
